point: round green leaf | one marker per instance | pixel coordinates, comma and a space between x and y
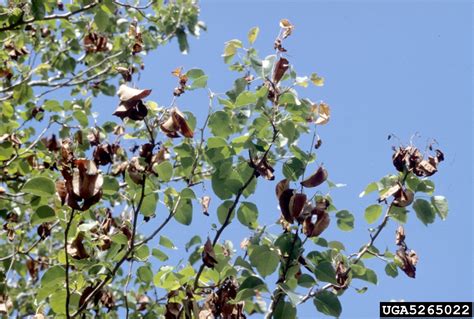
184, 212
43, 214
110, 186
165, 171
223, 210
248, 214
293, 168
328, 303
264, 259
345, 220
391, 270
440, 203
372, 213
284, 310
324, 271
40, 186
424, 211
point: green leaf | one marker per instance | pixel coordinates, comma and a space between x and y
317, 80
400, 214
372, 187
182, 41
361, 290
158, 254
426, 186
56, 302
164, 171
142, 253
284, 310
149, 204
293, 168
391, 270
324, 271
110, 186
102, 20
246, 98
223, 210
145, 274
369, 275
184, 212
440, 203
326, 302
6, 150
220, 124
193, 241
166, 242
345, 220
248, 214
264, 259
37, 9
53, 277
372, 213
81, 117
40, 186
306, 281
195, 74
424, 211
200, 82
43, 214
253, 34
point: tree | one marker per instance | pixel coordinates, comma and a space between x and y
72, 196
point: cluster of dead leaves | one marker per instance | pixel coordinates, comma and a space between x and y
407, 259
183, 79
411, 159
13, 52
105, 297
294, 206
135, 33
94, 42
320, 113
36, 265
11, 221
219, 304
131, 105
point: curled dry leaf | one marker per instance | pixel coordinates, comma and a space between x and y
324, 113
142, 302
208, 254
281, 187
103, 153
52, 143
44, 230
205, 201
341, 276
263, 168
280, 68
93, 42
284, 201
407, 261
128, 94
287, 27
136, 171
176, 123
316, 223
87, 180
319, 177
400, 236
76, 249
126, 73
296, 205
411, 159
389, 192
403, 197
173, 309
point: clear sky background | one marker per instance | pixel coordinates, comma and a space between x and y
396, 67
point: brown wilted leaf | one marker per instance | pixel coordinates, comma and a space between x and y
284, 202
281, 187
341, 276
107, 299
280, 68
297, 202
13, 52
319, 177
93, 42
67, 155
403, 197
173, 309
408, 261
76, 249
32, 266
103, 154
87, 180
263, 168
128, 94
52, 143
205, 201
176, 123
208, 255
134, 110
44, 230
314, 225
61, 191
93, 136
6, 304
146, 151
400, 236
287, 27
136, 170
126, 73
87, 291
324, 113
142, 302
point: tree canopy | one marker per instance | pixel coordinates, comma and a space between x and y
75, 189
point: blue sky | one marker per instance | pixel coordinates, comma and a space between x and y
395, 67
